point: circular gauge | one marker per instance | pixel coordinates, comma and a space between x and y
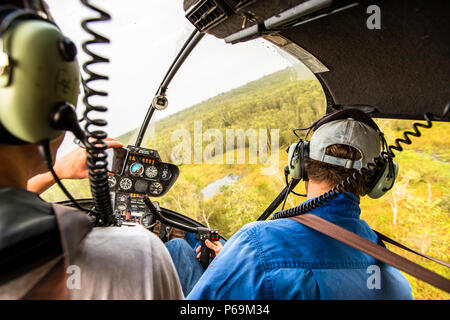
112, 181
141, 186
166, 174
156, 188
136, 169
125, 183
151, 172
122, 206
123, 198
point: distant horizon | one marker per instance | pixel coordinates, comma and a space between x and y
165, 117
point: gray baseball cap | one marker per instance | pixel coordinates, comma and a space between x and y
348, 132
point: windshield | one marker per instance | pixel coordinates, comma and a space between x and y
221, 92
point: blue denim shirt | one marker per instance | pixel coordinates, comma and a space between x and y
283, 259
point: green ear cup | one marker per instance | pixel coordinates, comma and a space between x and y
39, 79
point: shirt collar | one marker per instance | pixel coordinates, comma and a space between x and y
345, 205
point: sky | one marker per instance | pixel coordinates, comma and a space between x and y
145, 38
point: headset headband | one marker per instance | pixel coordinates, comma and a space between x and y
355, 114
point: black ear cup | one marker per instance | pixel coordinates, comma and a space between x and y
384, 179
304, 154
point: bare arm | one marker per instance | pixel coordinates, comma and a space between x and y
71, 166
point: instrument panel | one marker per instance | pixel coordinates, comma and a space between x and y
136, 172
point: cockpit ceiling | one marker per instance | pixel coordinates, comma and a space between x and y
402, 69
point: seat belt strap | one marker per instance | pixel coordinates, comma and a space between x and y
378, 252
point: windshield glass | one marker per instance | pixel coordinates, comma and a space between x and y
230, 141
228, 104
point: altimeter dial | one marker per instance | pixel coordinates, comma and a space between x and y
151, 172
126, 183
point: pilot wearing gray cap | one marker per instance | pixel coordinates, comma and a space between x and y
282, 259
348, 132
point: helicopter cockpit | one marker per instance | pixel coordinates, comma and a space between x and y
244, 75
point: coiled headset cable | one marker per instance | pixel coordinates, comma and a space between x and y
94, 141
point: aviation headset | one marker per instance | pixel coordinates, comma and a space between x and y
384, 176
39, 79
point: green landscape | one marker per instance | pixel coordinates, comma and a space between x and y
415, 212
